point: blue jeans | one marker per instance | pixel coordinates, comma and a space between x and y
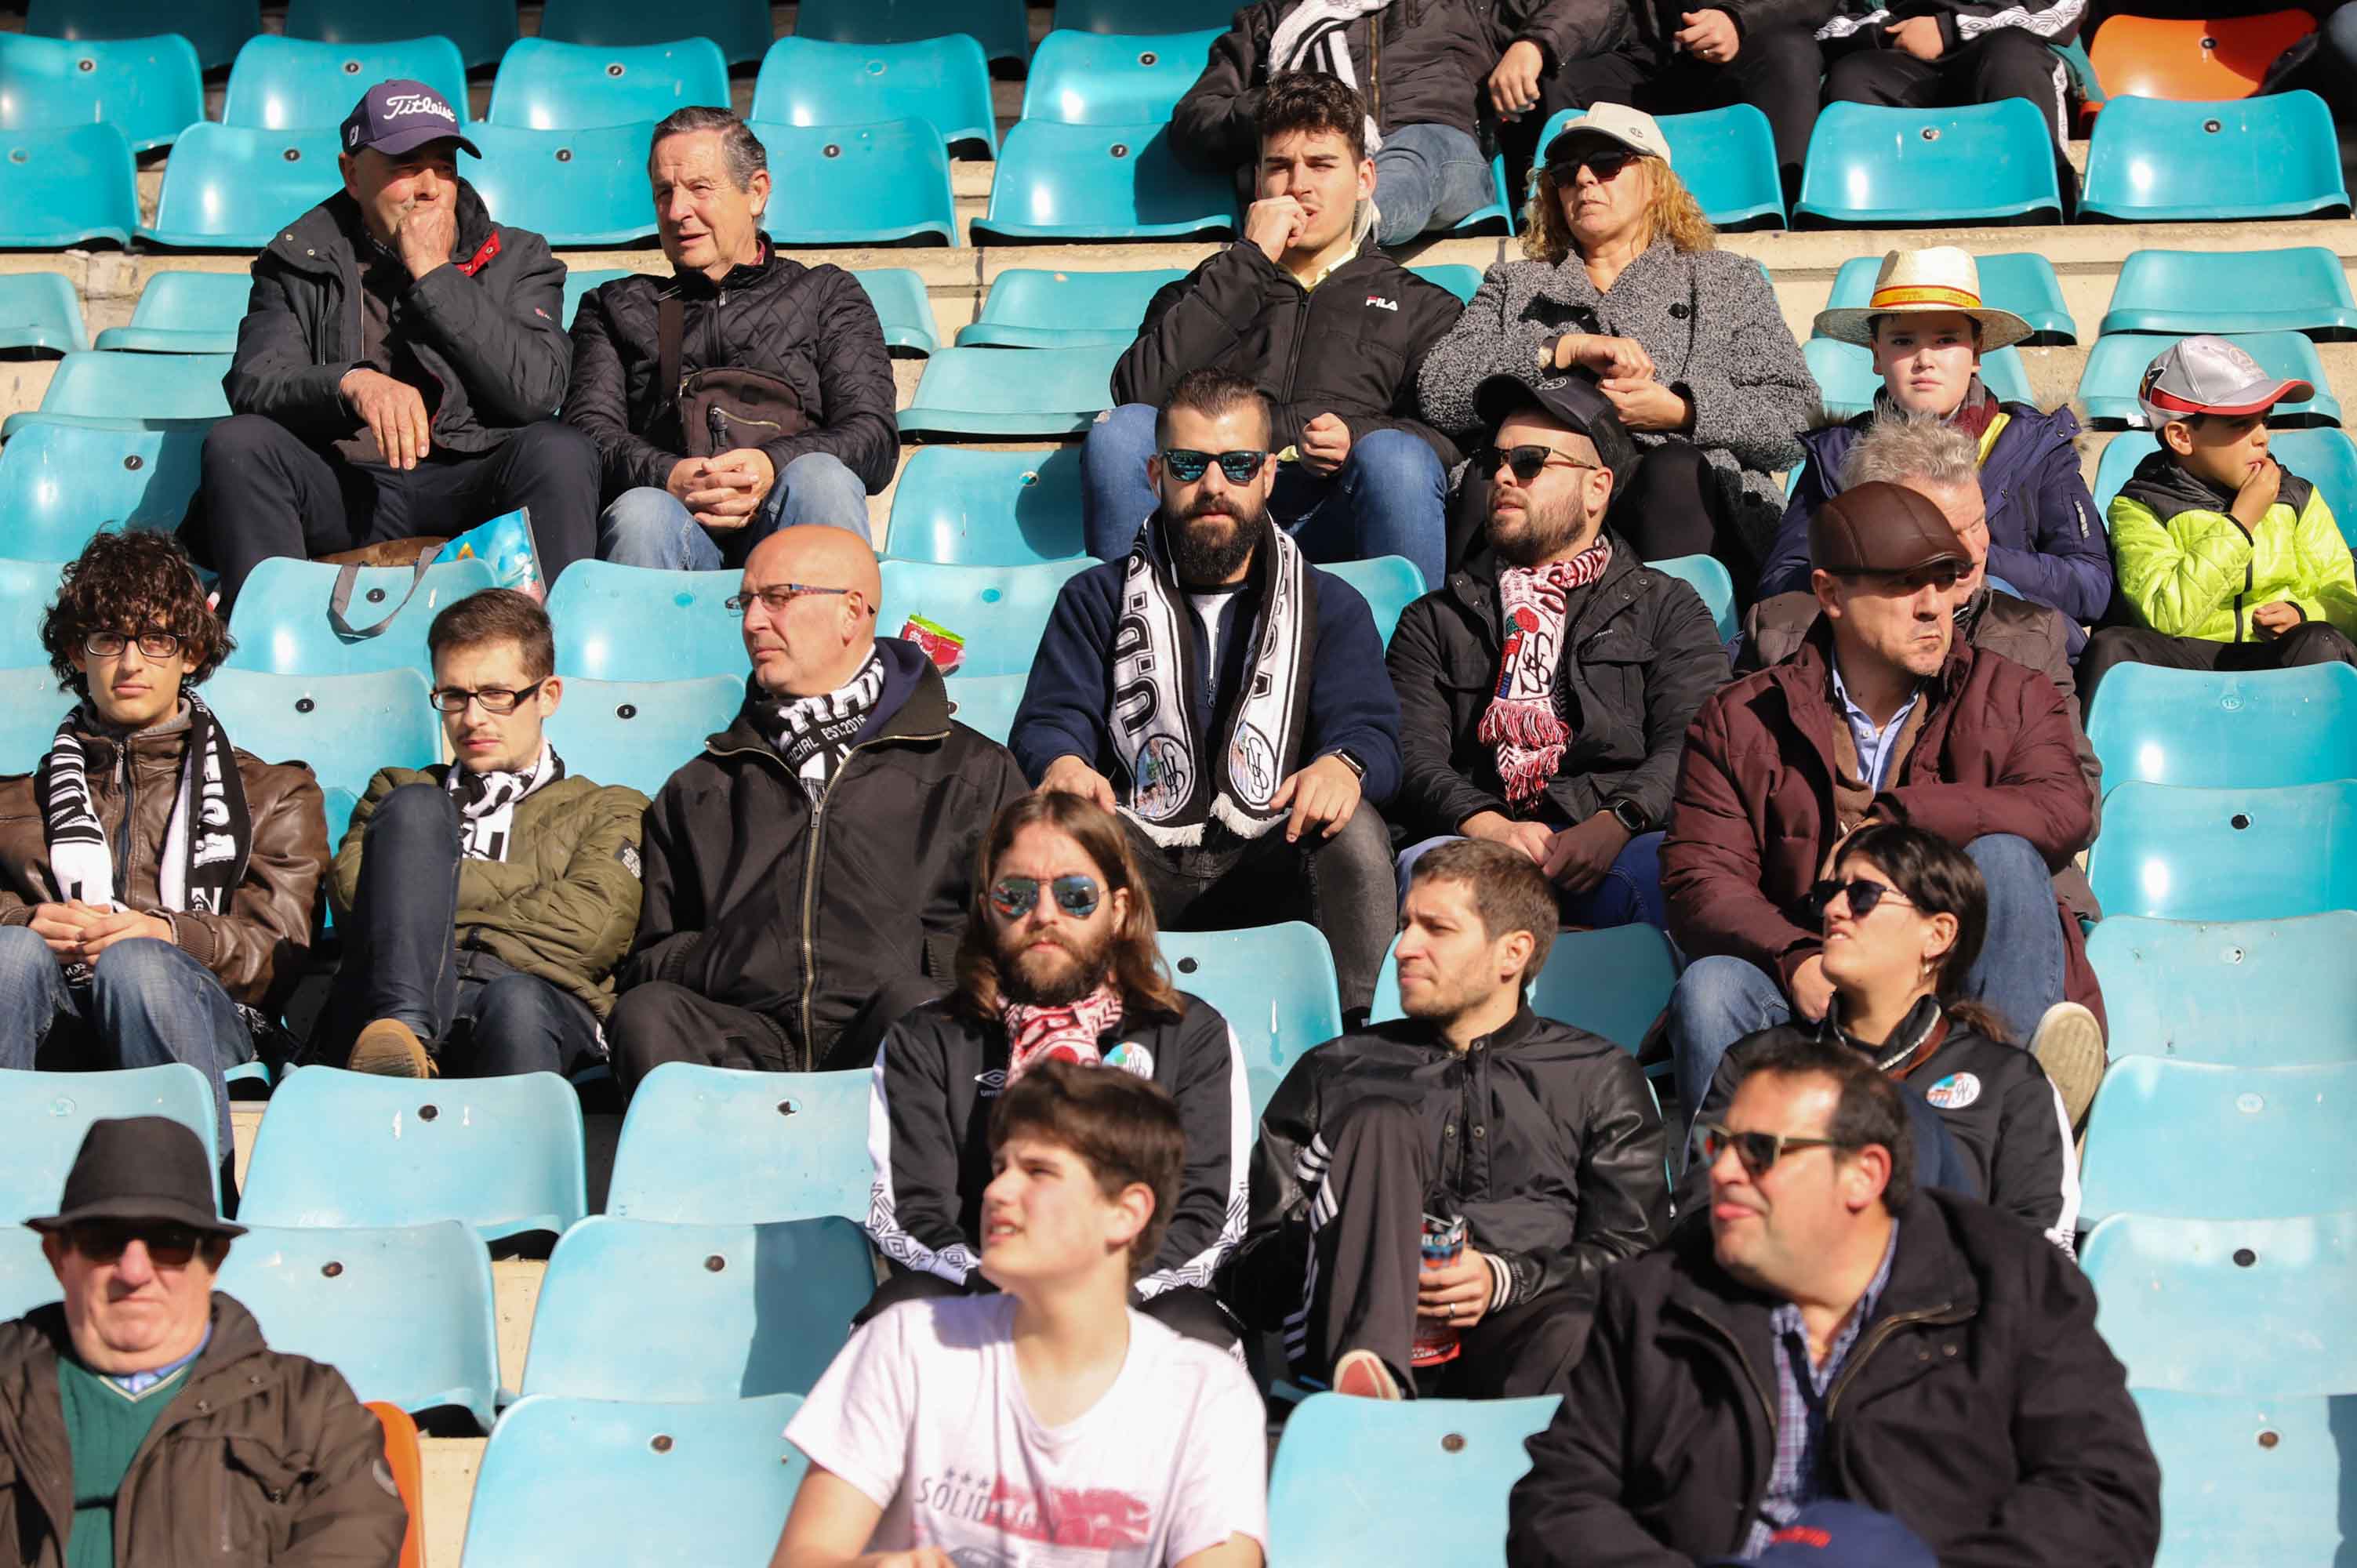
1428, 176
1630, 893
648, 526
146, 1004
1386, 500
1719, 999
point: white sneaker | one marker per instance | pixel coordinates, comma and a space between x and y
2069, 1045
1362, 1373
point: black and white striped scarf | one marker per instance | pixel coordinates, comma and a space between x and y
814, 734
205, 847
487, 803
1314, 37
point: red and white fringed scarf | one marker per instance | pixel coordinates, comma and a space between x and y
1524, 720
1070, 1033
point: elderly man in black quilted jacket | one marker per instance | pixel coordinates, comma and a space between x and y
742, 394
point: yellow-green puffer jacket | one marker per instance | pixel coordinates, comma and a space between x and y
2190, 570
563, 906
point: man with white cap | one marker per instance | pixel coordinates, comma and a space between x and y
2228, 560
1929, 331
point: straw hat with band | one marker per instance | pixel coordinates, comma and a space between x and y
1937, 280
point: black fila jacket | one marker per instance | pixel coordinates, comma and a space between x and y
1351, 346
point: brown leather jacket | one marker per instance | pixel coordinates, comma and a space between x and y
257, 946
263, 1457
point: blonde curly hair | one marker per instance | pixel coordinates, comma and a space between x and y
1671, 213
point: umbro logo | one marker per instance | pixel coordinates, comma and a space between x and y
992, 1082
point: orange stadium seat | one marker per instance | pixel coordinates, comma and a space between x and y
2159, 56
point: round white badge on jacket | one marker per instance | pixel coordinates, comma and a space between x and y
1955, 1091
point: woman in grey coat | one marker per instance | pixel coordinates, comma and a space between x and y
1623, 283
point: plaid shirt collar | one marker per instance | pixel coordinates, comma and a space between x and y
1792, 1480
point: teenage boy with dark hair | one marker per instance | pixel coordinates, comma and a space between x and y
1050, 1415
485, 903
156, 883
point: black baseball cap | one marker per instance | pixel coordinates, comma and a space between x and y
1574, 402
139, 1167
400, 116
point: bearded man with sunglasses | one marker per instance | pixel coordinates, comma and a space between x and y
1828, 1329
1058, 963
1544, 690
1884, 714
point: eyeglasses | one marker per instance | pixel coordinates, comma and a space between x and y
1015, 896
776, 597
104, 1241
1864, 896
1759, 1152
152, 643
1187, 465
493, 699
1605, 166
1527, 462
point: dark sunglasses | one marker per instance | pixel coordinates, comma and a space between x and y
1187, 465
1015, 896
1604, 167
1864, 897
102, 1241
1527, 462
1759, 1152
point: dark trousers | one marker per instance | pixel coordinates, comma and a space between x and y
659, 1022
1189, 1310
1344, 885
266, 491
2004, 62
2311, 642
479, 1017
1365, 1261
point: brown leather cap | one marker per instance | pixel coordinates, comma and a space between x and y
1881, 527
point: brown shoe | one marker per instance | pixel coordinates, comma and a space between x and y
1362, 1373
2070, 1046
390, 1048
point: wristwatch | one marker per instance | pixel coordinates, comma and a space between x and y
1349, 761
1626, 813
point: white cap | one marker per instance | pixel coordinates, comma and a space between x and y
1632, 128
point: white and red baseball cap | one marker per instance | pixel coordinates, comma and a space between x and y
2209, 375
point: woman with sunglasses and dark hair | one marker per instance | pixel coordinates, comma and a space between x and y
1904, 913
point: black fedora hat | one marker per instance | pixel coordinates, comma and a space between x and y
139, 1167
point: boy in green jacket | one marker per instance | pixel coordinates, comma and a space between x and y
2229, 560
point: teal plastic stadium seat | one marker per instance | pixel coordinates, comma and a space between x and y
604, 1481
2155, 161
41, 310
128, 388
579, 283
964, 506
2238, 993
1000, 27
233, 187
30, 707
481, 32
2195, 1141
633, 623
27, 1281
1346, 1468
1613, 982
1274, 985
2217, 730
2159, 1284
1845, 373
1495, 218
2298, 289
547, 86
2020, 280
740, 27
149, 88
639, 733
216, 27
575, 188
26, 589
1889, 168
1101, 78
2226, 855
771, 1305
1388, 582
404, 1313
987, 704
1140, 15
2116, 364
43, 1116
1707, 576
1064, 183
999, 610
294, 84
184, 313
1041, 308
345, 726
60, 483
2325, 456
807, 81
885, 184
982, 392
66, 187
903, 309
1455, 276
280, 619
342, 1148
1726, 158
708, 1146
2251, 1480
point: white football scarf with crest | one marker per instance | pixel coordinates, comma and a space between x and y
1524, 720
1159, 723
487, 803
1314, 37
206, 843
813, 734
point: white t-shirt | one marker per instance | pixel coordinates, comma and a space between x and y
924, 1412
1208, 608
